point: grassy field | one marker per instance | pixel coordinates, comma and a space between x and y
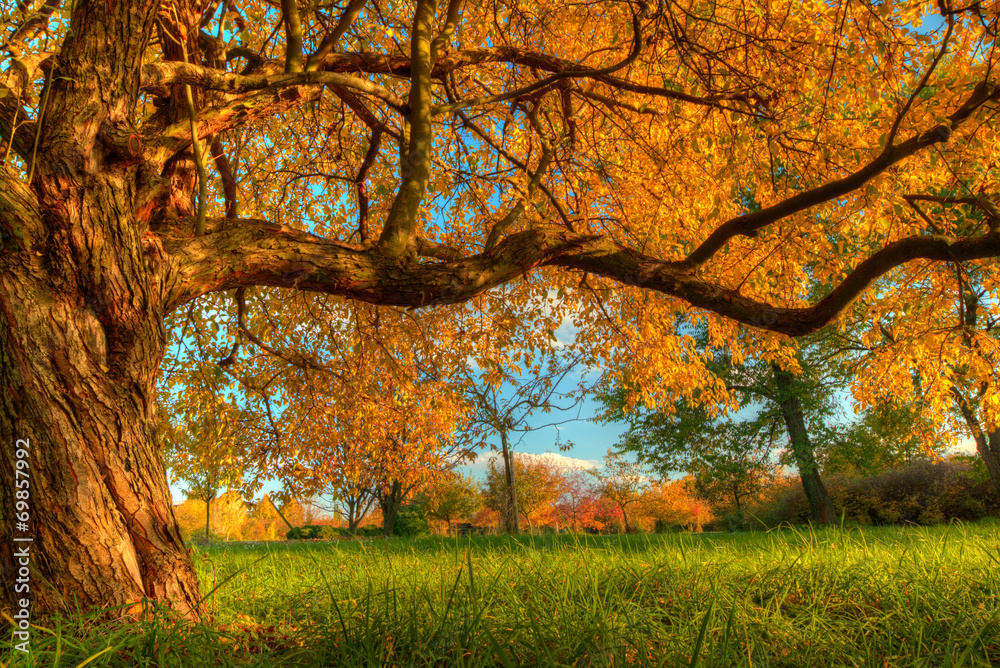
873, 597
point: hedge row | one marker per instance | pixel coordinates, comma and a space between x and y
921, 493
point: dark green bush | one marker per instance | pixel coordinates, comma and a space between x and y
311, 531
411, 522
921, 493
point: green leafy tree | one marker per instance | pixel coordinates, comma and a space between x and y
452, 497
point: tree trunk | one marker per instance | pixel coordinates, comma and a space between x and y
821, 506
739, 506
81, 341
511, 520
208, 516
625, 520
987, 442
389, 502
353, 516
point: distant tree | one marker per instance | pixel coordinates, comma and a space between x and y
622, 481
199, 446
505, 402
736, 468
577, 502
452, 497
674, 502
537, 483
224, 518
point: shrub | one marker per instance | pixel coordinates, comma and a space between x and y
312, 531
411, 522
920, 493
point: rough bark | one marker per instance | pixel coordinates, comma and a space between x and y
821, 506
511, 519
81, 340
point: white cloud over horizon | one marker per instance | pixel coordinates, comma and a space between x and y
481, 464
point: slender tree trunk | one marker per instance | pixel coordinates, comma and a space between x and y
353, 517
511, 519
987, 442
821, 506
208, 516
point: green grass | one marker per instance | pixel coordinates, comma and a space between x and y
832, 597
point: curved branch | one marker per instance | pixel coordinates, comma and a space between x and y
255, 252
225, 169
750, 224
377, 63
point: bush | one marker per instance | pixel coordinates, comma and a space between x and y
313, 531
411, 522
369, 531
920, 493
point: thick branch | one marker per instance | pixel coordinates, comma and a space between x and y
400, 228
159, 75
228, 178
293, 35
253, 252
165, 143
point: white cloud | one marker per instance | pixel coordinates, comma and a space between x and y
482, 462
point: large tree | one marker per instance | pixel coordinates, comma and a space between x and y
417, 155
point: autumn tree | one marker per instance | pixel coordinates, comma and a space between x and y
622, 481
799, 393
935, 353
537, 483
418, 155
200, 450
506, 396
350, 500
577, 500
452, 497
732, 473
